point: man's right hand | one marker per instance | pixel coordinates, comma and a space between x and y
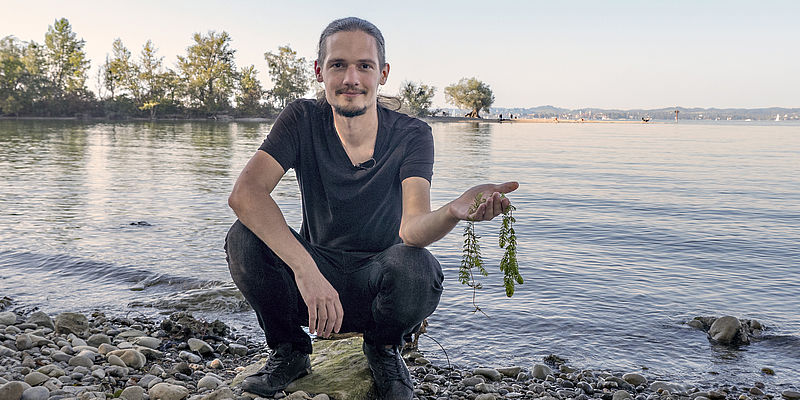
324, 308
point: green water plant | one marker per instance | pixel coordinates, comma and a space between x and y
472, 260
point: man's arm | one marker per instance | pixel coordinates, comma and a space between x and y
420, 226
252, 202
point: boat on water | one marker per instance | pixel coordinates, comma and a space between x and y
777, 117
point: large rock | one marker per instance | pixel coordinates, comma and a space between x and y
166, 391
13, 390
635, 379
41, 319
490, 373
69, 322
339, 368
728, 330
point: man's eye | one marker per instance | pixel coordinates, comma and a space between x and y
366, 66
336, 65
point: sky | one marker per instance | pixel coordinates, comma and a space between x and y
571, 54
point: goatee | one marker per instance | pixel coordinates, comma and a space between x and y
349, 112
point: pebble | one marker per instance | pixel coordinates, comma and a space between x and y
147, 341
209, 382
36, 393
791, 395
132, 393
166, 391
190, 357
115, 360
36, 378
490, 373
199, 346
142, 360
541, 371
510, 372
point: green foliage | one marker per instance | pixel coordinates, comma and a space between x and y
249, 93
418, 97
290, 75
471, 94
471, 255
208, 71
65, 60
508, 241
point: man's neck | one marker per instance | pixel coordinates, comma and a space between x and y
359, 131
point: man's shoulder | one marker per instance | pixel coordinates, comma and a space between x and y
403, 122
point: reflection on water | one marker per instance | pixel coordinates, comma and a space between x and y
625, 232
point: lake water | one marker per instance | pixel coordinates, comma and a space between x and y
625, 232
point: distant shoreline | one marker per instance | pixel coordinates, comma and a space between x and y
256, 119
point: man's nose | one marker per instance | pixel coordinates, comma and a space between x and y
351, 75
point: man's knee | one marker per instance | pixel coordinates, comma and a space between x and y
244, 250
414, 266
411, 283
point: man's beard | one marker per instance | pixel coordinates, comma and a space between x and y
349, 112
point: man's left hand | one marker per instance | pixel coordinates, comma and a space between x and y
493, 205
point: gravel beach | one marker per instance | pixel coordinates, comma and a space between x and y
77, 356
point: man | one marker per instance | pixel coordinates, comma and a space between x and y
358, 263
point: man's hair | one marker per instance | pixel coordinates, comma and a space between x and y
353, 24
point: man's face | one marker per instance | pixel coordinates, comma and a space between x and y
351, 72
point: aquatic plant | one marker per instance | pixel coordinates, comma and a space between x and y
472, 260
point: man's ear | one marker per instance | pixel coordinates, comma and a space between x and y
384, 74
318, 71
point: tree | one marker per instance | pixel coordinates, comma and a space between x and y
418, 97
290, 75
209, 71
65, 60
12, 75
471, 94
249, 93
118, 71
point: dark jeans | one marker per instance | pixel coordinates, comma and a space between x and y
385, 297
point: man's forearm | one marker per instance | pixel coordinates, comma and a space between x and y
425, 229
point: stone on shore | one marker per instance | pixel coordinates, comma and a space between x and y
635, 379
13, 390
36, 393
621, 395
339, 368
131, 358
490, 373
41, 319
540, 371
672, 387
8, 318
147, 341
791, 395
199, 346
132, 393
70, 322
97, 339
36, 378
223, 393
166, 391
728, 330
511, 372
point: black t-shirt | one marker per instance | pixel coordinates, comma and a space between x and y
349, 212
